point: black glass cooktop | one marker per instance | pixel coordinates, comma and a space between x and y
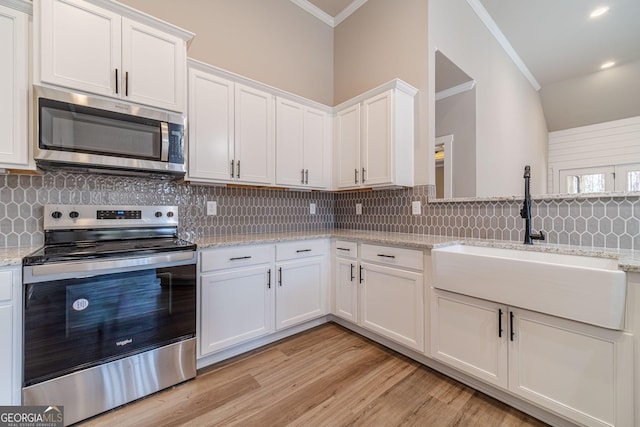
84, 250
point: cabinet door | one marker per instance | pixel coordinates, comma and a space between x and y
301, 291
346, 289
289, 143
6, 353
471, 335
377, 153
154, 65
316, 141
14, 86
80, 46
211, 130
235, 307
347, 159
577, 370
393, 304
254, 135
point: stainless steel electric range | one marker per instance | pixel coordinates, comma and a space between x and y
109, 308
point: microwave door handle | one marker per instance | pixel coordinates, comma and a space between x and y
164, 154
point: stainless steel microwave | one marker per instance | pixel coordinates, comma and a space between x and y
102, 135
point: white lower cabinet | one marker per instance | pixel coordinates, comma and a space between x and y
381, 290
578, 371
247, 292
10, 336
238, 307
301, 292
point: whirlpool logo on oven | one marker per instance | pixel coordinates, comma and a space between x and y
124, 342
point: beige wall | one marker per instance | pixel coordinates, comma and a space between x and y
383, 40
271, 41
510, 126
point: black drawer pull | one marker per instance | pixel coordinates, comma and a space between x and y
269, 279
352, 275
387, 256
239, 258
511, 325
344, 249
303, 250
361, 278
499, 323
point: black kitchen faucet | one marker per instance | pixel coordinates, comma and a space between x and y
525, 212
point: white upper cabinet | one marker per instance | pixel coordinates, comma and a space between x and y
231, 130
93, 49
211, 121
374, 138
14, 86
302, 145
255, 136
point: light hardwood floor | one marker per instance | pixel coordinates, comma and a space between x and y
327, 376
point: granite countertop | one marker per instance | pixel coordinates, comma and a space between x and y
628, 260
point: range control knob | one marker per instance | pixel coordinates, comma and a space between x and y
74, 214
56, 214
170, 214
158, 214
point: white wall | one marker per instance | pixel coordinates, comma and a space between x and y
603, 96
605, 144
510, 125
456, 115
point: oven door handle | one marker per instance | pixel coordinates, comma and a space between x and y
41, 273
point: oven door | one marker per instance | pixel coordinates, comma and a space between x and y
81, 314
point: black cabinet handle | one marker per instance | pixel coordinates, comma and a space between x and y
387, 256
269, 279
356, 177
306, 176
361, 274
126, 83
363, 176
499, 323
238, 176
301, 176
233, 168
344, 249
280, 276
352, 275
239, 258
511, 325
303, 250
116, 81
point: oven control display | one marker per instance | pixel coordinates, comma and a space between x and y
118, 214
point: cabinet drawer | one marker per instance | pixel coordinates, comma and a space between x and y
398, 257
6, 283
300, 249
237, 256
346, 249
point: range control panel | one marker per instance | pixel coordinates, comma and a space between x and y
99, 216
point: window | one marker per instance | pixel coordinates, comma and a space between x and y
601, 179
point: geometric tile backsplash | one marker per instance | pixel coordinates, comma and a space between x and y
612, 222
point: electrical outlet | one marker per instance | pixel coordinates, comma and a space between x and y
416, 207
312, 208
212, 208
358, 208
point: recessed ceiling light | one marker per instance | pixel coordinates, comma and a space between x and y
608, 64
599, 11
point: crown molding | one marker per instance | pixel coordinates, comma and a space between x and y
493, 28
347, 11
314, 10
455, 90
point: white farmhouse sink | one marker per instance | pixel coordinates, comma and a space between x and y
582, 288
